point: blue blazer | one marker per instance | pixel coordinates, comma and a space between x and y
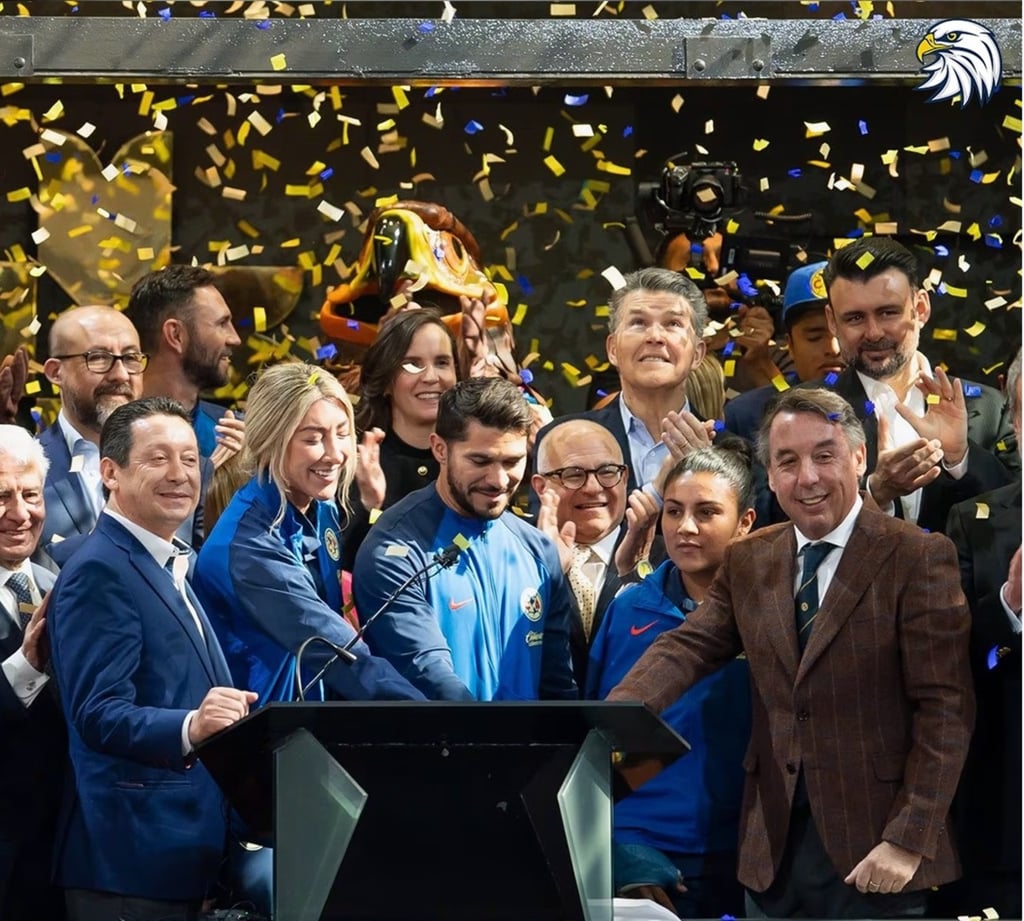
130, 664
69, 513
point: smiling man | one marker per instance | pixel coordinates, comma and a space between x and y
496, 624
855, 630
656, 323
932, 440
142, 681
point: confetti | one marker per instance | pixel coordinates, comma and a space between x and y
259, 319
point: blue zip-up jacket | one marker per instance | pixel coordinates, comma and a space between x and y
260, 589
693, 806
494, 626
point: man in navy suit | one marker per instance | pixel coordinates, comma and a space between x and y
186, 327
143, 681
656, 324
33, 743
96, 360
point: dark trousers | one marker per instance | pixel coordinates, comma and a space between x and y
808, 886
88, 905
712, 889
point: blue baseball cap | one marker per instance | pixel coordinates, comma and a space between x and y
805, 287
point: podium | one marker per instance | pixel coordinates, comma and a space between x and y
428, 811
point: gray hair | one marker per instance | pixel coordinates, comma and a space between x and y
17, 443
825, 403
1012, 380
656, 279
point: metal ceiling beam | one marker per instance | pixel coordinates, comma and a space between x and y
425, 52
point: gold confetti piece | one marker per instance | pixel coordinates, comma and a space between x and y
396, 550
709, 126
974, 231
22, 194
993, 304
989, 178
259, 319
865, 260
375, 513
606, 166
552, 164
78, 231
233, 194
760, 144
279, 62
54, 137
729, 368
258, 122
144, 253
816, 129
887, 228
649, 12
549, 135
519, 315
677, 103
614, 277
780, 383
583, 131
368, 156
40, 235
981, 511
563, 9
954, 291
975, 329
1012, 123
944, 335
763, 90
330, 211
602, 311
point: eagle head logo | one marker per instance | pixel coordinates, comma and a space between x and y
965, 61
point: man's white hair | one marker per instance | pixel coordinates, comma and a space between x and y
16, 442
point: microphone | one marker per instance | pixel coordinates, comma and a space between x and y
444, 558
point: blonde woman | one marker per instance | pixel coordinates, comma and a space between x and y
268, 574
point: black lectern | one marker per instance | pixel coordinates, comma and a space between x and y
460, 812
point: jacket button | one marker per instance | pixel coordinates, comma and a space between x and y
803, 715
790, 768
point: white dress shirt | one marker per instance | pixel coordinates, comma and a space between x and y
24, 680
85, 461
840, 536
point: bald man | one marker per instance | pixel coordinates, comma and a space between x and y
581, 482
96, 361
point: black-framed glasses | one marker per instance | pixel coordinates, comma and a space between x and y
100, 361
608, 475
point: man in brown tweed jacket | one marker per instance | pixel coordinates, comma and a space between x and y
861, 724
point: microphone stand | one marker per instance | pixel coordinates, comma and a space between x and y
443, 559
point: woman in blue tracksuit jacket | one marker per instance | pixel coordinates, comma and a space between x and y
681, 827
268, 574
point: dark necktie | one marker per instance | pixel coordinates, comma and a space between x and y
20, 587
807, 595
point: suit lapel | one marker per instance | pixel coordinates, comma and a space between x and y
869, 546
851, 389
69, 487
778, 599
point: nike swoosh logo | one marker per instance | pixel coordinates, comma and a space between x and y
636, 631
454, 605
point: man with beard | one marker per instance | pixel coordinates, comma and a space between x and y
495, 625
96, 361
186, 327
932, 440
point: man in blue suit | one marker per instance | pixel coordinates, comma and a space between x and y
143, 681
33, 743
96, 361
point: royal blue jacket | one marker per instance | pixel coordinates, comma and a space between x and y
693, 806
267, 588
494, 626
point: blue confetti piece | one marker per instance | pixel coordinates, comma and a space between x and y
813, 7
571, 100
326, 351
869, 408
941, 288
164, 14
263, 24
524, 284
207, 14
94, 200
526, 375
729, 348
795, 173
834, 417
500, 93
862, 126
992, 241
746, 286
992, 659
976, 175
53, 157
971, 391
995, 221
728, 918
955, 154
36, 415
941, 250
185, 100
735, 305
696, 249
352, 324
280, 116
433, 91
602, 393
831, 378
425, 27
719, 425
473, 127
126, 169
839, 17
792, 377
327, 173
627, 131
855, 233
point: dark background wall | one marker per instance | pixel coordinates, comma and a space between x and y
560, 245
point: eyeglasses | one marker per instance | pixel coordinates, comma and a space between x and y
608, 475
100, 361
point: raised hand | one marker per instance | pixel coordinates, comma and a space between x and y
900, 471
13, 374
547, 521
230, 439
945, 417
641, 521
370, 479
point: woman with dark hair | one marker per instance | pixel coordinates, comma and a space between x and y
405, 371
675, 836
